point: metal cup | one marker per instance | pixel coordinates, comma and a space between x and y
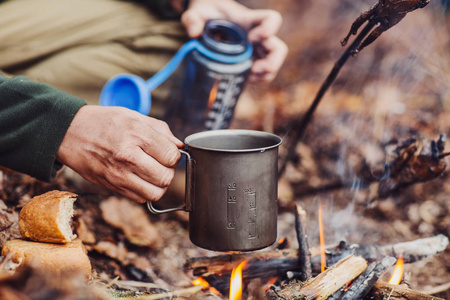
231, 189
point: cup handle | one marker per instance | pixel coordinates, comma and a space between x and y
190, 164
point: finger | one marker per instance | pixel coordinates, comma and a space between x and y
264, 24
267, 67
193, 22
150, 170
137, 189
162, 128
161, 149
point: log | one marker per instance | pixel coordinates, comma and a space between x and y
225, 263
304, 254
383, 290
325, 284
410, 251
364, 283
288, 258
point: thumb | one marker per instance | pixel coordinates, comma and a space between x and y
193, 22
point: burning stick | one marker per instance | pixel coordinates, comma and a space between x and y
276, 262
364, 283
387, 13
303, 248
325, 284
410, 251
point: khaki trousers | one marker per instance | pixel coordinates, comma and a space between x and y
77, 45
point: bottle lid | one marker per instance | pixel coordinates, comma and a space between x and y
224, 37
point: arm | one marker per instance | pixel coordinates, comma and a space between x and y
34, 118
42, 128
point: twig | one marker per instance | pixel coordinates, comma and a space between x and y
188, 291
299, 128
364, 283
397, 292
303, 248
325, 284
437, 289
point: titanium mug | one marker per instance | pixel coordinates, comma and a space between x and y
231, 189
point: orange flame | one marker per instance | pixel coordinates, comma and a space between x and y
322, 241
236, 282
202, 282
397, 275
205, 285
270, 282
213, 94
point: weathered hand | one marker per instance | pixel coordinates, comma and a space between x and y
121, 150
261, 24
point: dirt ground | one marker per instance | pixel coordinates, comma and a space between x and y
396, 88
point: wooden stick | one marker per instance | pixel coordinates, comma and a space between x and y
183, 292
383, 290
226, 262
299, 127
325, 284
364, 283
303, 249
410, 251
288, 258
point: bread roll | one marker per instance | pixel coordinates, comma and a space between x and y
56, 259
46, 218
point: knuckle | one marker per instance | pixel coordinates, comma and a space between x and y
156, 194
162, 125
123, 155
276, 16
166, 177
173, 157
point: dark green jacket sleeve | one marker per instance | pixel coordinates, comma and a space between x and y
34, 118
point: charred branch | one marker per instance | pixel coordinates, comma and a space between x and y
325, 284
364, 283
410, 251
277, 262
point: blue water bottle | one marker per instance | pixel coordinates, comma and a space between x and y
216, 67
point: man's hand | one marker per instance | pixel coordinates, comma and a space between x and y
261, 24
121, 150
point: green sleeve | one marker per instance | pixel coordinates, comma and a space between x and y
34, 118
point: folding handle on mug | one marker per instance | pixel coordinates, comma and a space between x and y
133, 92
190, 165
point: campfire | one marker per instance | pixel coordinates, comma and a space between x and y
362, 192
354, 272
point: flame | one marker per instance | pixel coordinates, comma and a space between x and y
397, 275
205, 285
213, 94
236, 282
270, 282
322, 241
202, 282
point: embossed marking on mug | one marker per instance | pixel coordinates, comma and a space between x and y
250, 196
232, 209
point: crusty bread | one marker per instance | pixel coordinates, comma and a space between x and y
46, 218
56, 259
